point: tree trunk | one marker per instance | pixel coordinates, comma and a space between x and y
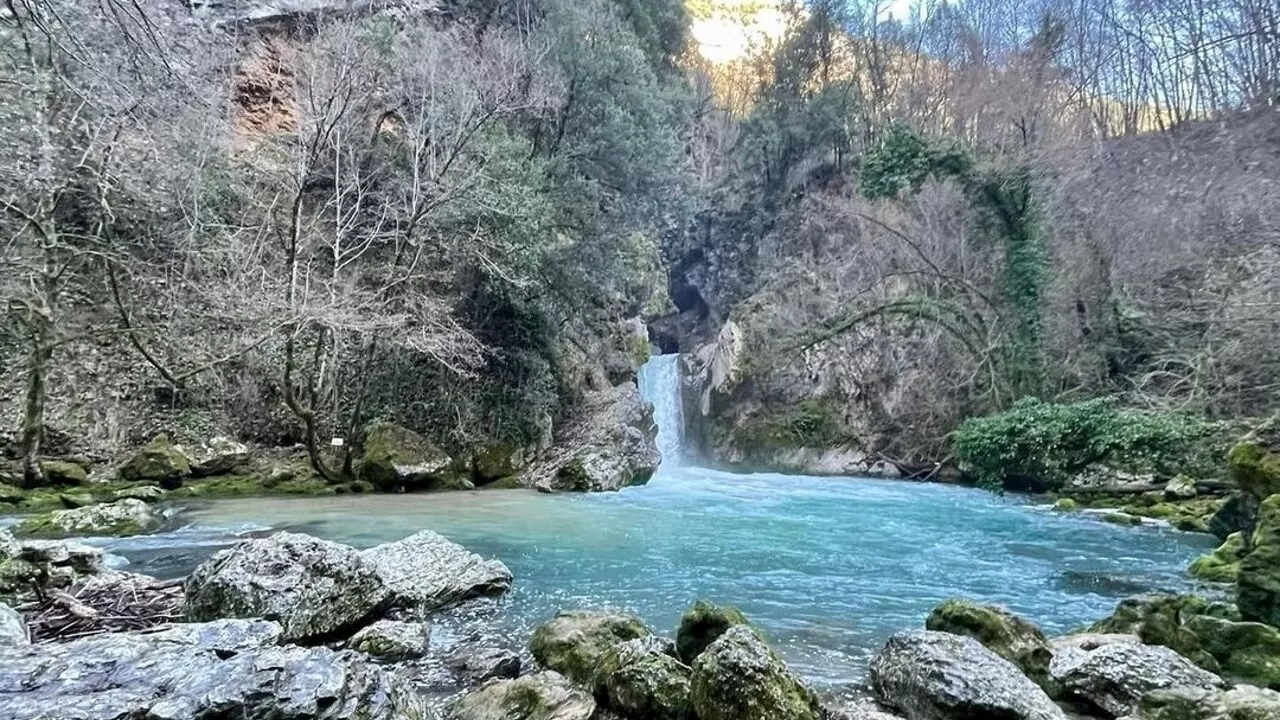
33, 409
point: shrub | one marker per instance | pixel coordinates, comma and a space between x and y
1044, 444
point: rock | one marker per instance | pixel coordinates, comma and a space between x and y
497, 462
1002, 632
11, 493
1223, 564
637, 679
160, 461
1181, 487
118, 519
1241, 703
701, 625
1246, 652
427, 571
1065, 504
1119, 518
739, 678
1159, 620
226, 636
75, 500
545, 696
134, 675
392, 641
1237, 514
313, 588
1254, 462
217, 456
608, 444
863, 709
145, 493
75, 556
1258, 582
1115, 676
13, 631
471, 663
574, 642
940, 676
396, 457
59, 473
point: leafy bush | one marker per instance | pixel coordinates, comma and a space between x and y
903, 160
1046, 443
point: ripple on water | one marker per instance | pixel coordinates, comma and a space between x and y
827, 567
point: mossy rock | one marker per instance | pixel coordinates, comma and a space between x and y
574, 642
1065, 504
160, 461
1003, 633
1258, 583
702, 624
495, 462
544, 696
1254, 462
12, 494
638, 679
1221, 565
738, 677
1159, 620
573, 476
119, 519
62, 473
396, 457
1247, 652
76, 500
1119, 518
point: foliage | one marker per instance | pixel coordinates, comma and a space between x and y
1048, 443
903, 160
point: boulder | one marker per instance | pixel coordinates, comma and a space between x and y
701, 625
313, 588
1159, 620
608, 444
118, 519
159, 461
497, 462
545, 696
1181, 487
1258, 582
1065, 504
161, 675
73, 500
1235, 515
739, 678
473, 663
216, 456
392, 641
427, 571
930, 675
1115, 676
13, 631
1254, 462
1247, 652
45, 564
574, 642
638, 679
61, 473
1221, 565
1244, 702
145, 493
396, 457
1002, 632
226, 636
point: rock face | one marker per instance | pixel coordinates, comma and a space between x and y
13, 631
1258, 584
313, 588
701, 625
427, 571
608, 445
396, 457
739, 678
545, 696
1241, 703
158, 461
940, 676
131, 675
1003, 633
637, 679
1115, 676
392, 641
574, 642
119, 519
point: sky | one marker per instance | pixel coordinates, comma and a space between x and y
723, 39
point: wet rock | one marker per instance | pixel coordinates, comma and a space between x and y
1115, 676
226, 636
132, 675
701, 625
545, 696
1258, 582
216, 456
13, 631
396, 457
160, 461
1160, 620
118, 519
1240, 703
574, 642
1246, 652
639, 679
860, 710
313, 588
739, 678
427, 571
1221, 565
471, 663
1002, 632
940, 676
392, 641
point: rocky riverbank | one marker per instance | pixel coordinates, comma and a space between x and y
294, 627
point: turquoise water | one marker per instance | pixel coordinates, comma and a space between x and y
828, 567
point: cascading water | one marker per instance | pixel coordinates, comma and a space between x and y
660, 385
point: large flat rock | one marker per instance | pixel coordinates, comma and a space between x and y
427, 571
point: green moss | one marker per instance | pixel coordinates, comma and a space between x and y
813, 422
573, 643
1254, 463
1223, 564
1005, 634
494, 462
387, 445
739, 678
12, 493
159, 461
76, 500
1258, 584
57, 472
702, 624
1065, 505
1247, 652
1159, 620
1119, 518
273, 480
640, 682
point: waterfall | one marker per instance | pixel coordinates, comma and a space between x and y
660, 385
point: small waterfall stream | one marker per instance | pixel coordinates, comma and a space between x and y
660, 385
